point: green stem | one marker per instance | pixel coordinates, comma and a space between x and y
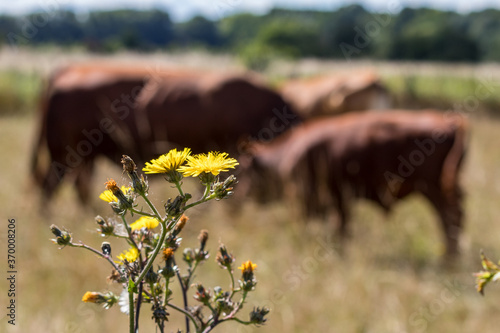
131, 306
238, 320
178, 185
167, 282
155, 252
232, 281
187, 314
191, 273
202, 200
142, 213
153, 208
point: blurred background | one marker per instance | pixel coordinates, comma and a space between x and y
426, 54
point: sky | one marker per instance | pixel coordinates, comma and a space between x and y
215, 9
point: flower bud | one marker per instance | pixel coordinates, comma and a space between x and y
176, 207
124, 201
63, 237
106, 248
139, 184
257, 316
160, 314
151, 276
106, 299
106, 227
202, 295
203, 237
224, 189
223, 258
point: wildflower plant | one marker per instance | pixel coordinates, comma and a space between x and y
147, 269
490, 273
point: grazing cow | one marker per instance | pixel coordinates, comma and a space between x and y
86, 112
335, 94
211, 111
93, 110
382, 157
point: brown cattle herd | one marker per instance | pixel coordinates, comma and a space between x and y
321, 141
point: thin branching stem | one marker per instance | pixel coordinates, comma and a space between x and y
99, 254
140, 212
232, 281
186, 313
184, 295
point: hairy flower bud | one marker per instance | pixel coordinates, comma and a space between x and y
139, 184
202, 295
257, 316
223, 258
63, 237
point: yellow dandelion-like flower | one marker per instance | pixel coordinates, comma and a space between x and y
167, 162
108, 195
247, 267
145, 222
129, 256
92, 297
213, 162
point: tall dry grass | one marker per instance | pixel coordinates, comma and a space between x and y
388, 279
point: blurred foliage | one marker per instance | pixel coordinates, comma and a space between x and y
18, 92
467, 94
348, 32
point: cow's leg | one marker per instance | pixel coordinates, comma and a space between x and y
450, 212
52, 180
83, 181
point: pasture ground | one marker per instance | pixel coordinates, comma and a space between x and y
389, 277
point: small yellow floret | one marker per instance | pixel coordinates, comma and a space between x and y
247, 266
91, 297
145, 222
129, 256
108, 195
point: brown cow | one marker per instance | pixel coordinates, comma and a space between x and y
211, 111
335, 94
90, 111
378, 156
86, 112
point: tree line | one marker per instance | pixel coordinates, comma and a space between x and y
351, 32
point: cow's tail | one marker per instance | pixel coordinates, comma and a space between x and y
40, 139
453, 160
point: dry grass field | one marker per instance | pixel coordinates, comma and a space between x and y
389, 277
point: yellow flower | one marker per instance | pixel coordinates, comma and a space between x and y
130, 255
108, 195
92, 297
168, 253
167, 162
213, 162
145, 222
247, 267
